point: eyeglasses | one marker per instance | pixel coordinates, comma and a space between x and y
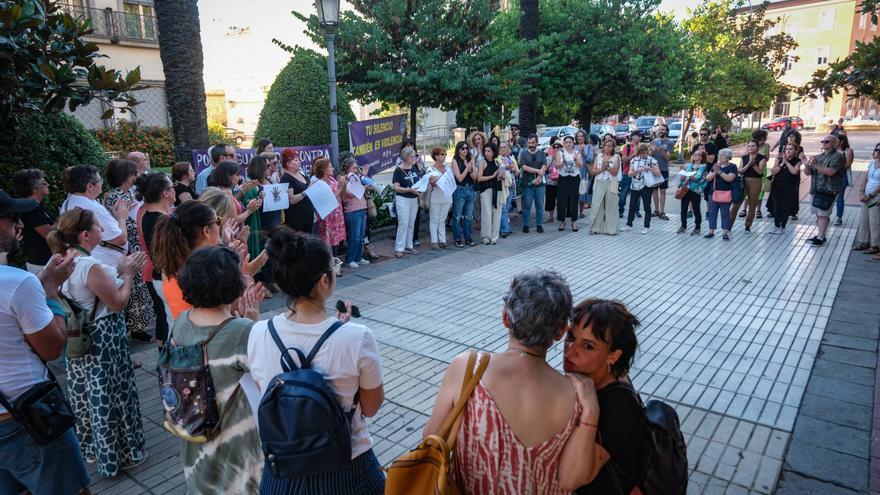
825, 141
232, 155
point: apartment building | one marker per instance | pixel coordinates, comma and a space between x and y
825, 31
126, 32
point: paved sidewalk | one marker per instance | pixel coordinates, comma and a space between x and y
731, 332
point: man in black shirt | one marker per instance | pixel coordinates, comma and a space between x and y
534, 164
517, 142
783, 139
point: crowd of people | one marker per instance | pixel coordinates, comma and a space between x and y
186, 259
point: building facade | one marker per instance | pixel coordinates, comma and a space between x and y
126, 32
825, 31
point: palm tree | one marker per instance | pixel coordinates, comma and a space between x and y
180, 47
528, 103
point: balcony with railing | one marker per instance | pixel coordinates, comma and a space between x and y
120, 26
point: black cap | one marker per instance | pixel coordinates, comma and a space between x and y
10, 206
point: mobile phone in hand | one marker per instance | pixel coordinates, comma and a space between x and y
340, 306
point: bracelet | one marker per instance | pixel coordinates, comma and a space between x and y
56, 308
581, 423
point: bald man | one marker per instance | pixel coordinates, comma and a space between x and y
828, 170
142, 160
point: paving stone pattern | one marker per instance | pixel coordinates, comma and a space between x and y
730, 333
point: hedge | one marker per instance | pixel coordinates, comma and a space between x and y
52, 143
126, 137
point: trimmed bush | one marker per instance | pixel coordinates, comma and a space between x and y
125, 137
52, 143
296, 111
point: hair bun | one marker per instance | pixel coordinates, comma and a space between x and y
287, 245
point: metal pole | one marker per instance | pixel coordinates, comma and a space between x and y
334, 124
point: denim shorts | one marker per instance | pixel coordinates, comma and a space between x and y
55, 469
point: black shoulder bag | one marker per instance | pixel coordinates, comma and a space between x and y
42, 410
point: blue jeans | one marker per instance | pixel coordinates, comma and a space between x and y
505, 214
625, 184
714, 209
840, 196
356, 226
55, 469
462, 212
533, 195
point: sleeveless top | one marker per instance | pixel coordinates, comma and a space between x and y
490, 460
568, 165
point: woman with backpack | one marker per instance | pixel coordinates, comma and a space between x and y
100, 380
600, 344
211, 281
348, 360
550, 425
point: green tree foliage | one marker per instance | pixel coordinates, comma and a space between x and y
858, 74
435, 53
296, 111
736, 64
51, 142
46, 64
609, 56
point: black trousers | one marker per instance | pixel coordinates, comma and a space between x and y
634, 196
567, 198
159, 309
692, 199
785, 203
550, 197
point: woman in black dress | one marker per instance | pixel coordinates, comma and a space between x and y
184, 178
300, 216
786, 175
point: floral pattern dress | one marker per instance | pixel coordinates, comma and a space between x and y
139, 314
332, 228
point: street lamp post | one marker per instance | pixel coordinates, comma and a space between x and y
328, 15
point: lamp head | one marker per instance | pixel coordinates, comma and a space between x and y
328, 12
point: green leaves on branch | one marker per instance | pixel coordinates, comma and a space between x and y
46, 63
437, 53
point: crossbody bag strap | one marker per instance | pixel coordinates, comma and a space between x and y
287, 363
211, 336
450, 427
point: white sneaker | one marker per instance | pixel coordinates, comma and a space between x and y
645, 230
625, 228
363, 262
353, 265
775, 231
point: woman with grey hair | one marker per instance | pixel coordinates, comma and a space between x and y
721, 176
406, 201
31, 183
542, 447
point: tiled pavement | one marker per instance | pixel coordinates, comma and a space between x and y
731, 332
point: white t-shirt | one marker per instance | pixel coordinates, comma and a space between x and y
349, 360
873, 177
105, 219
76, 287
23, 311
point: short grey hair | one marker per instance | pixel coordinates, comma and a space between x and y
407, 152
726, 152
537, 305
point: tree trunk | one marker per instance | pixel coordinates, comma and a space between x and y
413, 109
682, 139
180, 48
585, 115
528, 102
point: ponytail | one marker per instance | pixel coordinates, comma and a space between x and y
175, 235
66, 232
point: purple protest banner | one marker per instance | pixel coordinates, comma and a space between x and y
308, 154
375, 143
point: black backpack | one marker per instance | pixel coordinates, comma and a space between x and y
303, 429
662, 453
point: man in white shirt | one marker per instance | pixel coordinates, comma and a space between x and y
218, 153
142, 160
32, 330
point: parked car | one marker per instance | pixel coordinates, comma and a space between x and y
602, 130
622, 132
675, 130
235, 136
558, 131
779, 123
647, 126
